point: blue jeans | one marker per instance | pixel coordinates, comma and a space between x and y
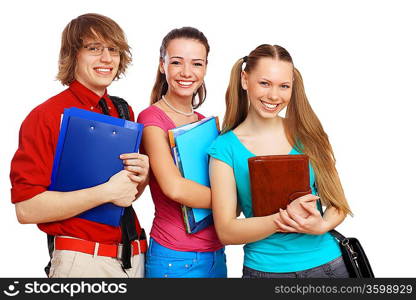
334, 269
162, 262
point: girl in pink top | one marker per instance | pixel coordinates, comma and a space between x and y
178, 90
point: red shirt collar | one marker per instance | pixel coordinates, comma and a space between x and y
85, 95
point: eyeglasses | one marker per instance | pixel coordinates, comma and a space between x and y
98, 49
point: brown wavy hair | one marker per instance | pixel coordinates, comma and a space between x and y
303, 128
90, 26
160, 86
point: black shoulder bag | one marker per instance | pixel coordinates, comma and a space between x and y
354, 256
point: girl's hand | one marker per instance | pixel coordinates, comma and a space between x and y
296, 208
138, 165
307, 220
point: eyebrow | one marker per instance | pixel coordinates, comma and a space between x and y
180, 57
94, 43
265, 79
100, 44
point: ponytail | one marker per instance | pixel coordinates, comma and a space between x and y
236, 99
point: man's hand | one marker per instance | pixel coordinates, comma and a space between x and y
120, 189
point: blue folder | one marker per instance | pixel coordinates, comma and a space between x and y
192, 145
87, 155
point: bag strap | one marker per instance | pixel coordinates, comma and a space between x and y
122, 107
128, 228
337, 235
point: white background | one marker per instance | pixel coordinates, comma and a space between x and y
358, 63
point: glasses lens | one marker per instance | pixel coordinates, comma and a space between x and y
97, 49
94, 49
114, 51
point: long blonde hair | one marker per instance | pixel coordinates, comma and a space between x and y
303, 128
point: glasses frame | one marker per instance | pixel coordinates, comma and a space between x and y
113, 51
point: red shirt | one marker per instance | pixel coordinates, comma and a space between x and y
31, 166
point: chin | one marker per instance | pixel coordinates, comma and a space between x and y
104, 82
187, 93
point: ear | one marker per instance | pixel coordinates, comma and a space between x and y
244, 80
162, 66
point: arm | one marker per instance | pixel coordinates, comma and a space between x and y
173, 185
231, 230
51, 206
313, 224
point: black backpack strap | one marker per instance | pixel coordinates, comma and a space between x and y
128, 227
51, 248
122, 107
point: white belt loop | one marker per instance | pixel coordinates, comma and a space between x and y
96, 249
119, 251
138, 244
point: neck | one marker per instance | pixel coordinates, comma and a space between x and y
96, 90
181, 103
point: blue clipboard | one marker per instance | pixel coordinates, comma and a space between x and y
87, 154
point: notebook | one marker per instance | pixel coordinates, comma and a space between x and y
189, 145
276, 180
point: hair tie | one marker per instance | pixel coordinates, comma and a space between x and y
245, 59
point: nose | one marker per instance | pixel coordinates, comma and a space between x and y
274, 93
105, 56
186, 70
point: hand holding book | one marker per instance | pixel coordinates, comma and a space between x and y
301, 216
120, 189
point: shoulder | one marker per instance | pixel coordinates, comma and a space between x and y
150, 113
153, 116
224, 139
50, 111
223, 147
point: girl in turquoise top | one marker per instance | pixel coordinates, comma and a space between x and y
293, 242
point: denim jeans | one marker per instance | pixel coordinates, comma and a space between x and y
333, 269
162, 262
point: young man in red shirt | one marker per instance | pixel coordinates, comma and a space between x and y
93, 53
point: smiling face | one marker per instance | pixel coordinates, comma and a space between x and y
96, 72
268, 86
184, 66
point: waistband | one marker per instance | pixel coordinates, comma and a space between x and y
99, 249
158, 250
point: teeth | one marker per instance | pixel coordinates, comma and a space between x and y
270, 106
185, 83
103, 70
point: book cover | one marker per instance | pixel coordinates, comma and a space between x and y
189, 147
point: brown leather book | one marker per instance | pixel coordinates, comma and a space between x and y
276, 180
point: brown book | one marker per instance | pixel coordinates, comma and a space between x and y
276, 180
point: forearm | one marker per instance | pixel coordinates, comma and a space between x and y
332, 218
245, 230
141, 187
51, 206
189, 193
